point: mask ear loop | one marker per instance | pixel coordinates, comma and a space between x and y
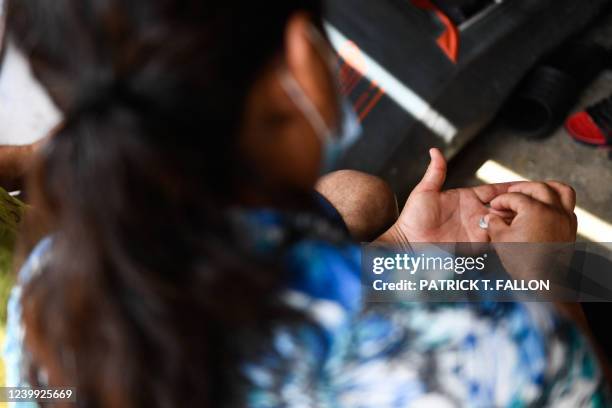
304, 104
329, 56
323, 47
326, 52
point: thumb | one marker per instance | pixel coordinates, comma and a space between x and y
496, 226
434, 177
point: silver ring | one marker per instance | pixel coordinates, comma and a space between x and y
482, 223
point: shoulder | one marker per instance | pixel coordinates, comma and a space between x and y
326, 271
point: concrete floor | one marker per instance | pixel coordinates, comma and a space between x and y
587, 169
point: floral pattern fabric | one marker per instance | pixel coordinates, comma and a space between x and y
357, 355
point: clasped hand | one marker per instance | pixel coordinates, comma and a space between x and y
514, 212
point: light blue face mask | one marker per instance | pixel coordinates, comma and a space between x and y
334, 142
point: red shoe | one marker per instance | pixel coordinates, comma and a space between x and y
594, 125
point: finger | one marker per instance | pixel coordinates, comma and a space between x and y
507, 216
488, 192
515, 202
566, 193
434, 177
496, 227
538, 191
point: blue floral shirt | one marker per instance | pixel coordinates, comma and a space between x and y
360, 355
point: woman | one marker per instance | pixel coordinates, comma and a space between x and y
190, 264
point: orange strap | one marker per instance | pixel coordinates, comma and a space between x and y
449, 40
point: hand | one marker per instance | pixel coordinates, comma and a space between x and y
431, 215
544, 213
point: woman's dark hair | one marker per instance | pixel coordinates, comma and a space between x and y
148, 293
